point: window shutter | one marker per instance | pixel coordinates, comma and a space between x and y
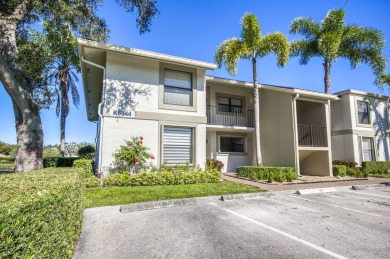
177, 145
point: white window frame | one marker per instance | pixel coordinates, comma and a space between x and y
373, 153
172, 87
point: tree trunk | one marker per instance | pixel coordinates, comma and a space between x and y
64, 109
257, 114
29, 140
27, 119
327, 76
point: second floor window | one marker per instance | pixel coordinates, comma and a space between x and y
229, 105
363, 115
177, 88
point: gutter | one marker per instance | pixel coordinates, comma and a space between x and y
99, 110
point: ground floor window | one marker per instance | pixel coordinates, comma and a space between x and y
231, 144
177, 145
367, 149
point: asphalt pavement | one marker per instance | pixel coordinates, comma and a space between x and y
340, 224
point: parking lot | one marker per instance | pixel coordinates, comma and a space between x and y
341, 224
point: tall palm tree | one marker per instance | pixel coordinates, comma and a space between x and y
65, 62
251, 46
331, 40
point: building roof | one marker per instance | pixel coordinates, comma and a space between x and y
361, 93
290, 90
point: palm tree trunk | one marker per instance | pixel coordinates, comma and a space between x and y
64, 107
257, 114
327, 76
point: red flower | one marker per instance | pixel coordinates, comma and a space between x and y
136, 159
141, 142
141, 138
152, 157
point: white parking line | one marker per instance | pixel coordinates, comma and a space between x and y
370, 194
341, 207
319, 248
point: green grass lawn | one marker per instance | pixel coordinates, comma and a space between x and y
381, 175
97, 197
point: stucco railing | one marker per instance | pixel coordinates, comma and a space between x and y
236, 117
312, 136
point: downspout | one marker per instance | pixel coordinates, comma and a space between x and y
295, 127
99, 111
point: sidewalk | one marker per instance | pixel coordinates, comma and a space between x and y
299, 186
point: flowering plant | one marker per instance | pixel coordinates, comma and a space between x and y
133, 155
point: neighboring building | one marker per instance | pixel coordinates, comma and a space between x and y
360, 127
294, 126
186, 117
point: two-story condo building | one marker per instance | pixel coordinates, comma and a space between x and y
185, 116
360, 127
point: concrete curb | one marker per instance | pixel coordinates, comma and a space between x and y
316, 190
247, 196
369, 186
150, 205
157, 205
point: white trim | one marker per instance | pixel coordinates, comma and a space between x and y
146, 54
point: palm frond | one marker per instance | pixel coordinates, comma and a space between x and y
251, 31
305, 49
329, 44
333, 21
275, 42
308, 27
357, 36
229, 52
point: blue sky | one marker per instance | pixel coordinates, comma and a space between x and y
193, 29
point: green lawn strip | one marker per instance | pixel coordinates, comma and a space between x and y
107, 196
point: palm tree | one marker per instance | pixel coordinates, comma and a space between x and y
65, 62
331, 40
251, 46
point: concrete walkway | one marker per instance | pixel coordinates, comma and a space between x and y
299, 186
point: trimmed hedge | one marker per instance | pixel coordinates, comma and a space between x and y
41, 213
339, 170
269, 173
158, 178
347, 163
59, 161
85, 164
357, 172
376, 167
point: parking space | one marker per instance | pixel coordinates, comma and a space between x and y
342, 224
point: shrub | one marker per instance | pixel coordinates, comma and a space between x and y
58, 161
269, 173
376, 167
41, 213
162, 178
133, 155
339, 170
85, 164
350, 164
86, 152
214, 164
356, 172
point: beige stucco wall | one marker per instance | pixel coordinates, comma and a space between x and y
347, 132
133, 85
277, 132
230, 160
314, 163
